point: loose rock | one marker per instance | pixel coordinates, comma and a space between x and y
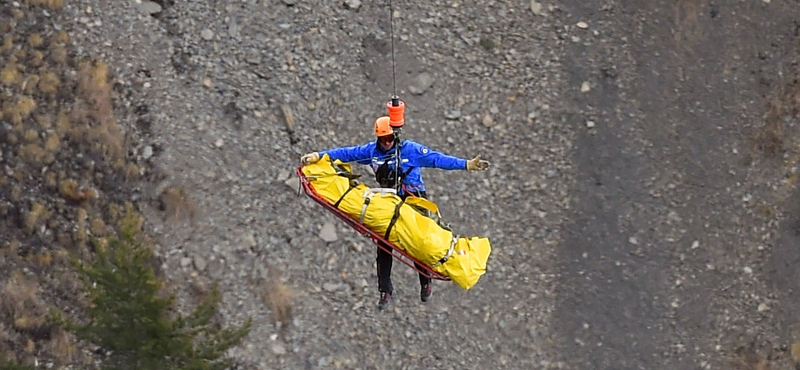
207, 34
328, 233
199, 263
453, 114
352, 4
536, 7
149, 7
421, 83
147, 152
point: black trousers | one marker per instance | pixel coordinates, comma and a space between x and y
385, 264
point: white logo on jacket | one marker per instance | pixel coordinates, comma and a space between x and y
377, 162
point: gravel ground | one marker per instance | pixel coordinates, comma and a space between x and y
209, 85
610, 226
677, 253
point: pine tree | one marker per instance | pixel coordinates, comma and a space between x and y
131, 321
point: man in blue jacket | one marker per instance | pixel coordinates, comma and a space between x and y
381, 156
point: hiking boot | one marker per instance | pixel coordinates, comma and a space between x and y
425, 292
384, 301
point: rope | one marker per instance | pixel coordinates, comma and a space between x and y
397, 139
391, 37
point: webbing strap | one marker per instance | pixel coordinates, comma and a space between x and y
344, 171
394, 218
336, 205
367, 197
449, 253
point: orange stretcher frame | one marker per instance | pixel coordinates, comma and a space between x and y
378, 240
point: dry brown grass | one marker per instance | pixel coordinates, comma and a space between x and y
58, 108
749, 359
48, 83
177, 205
8, 41
278, 297
10, 249
31, 136
91, 121
58, 54
72, 191
59, 38
35, 154
792, 179
80, 234
114, 213
131, 171
22, 306
52, 4
35, 217
10, 74
16, 13
769, 138
62, 347
35, 40
795, 352
19, 111
53, 143
16, 291
752, 356
16, 192
41, 259
98, 227
36, 60
63, 124
772, 138
30, 347
27, 322
687, 29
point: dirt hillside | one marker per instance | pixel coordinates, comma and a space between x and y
642, 199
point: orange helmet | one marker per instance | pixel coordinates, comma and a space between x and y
383, 127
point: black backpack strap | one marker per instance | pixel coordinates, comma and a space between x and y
341, 171
394, 218
336, 205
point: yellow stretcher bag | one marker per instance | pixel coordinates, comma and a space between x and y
403, 223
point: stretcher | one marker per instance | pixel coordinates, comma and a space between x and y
410, 229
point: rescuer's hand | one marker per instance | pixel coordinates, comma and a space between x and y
309, 158
477, 164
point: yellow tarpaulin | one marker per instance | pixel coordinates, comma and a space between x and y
417, 234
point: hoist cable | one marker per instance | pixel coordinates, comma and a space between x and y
391, 39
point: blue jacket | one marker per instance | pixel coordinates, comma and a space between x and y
413, 156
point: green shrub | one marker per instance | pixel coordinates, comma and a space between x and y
7, 365
131, 321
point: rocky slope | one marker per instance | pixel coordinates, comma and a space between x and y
611, 204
